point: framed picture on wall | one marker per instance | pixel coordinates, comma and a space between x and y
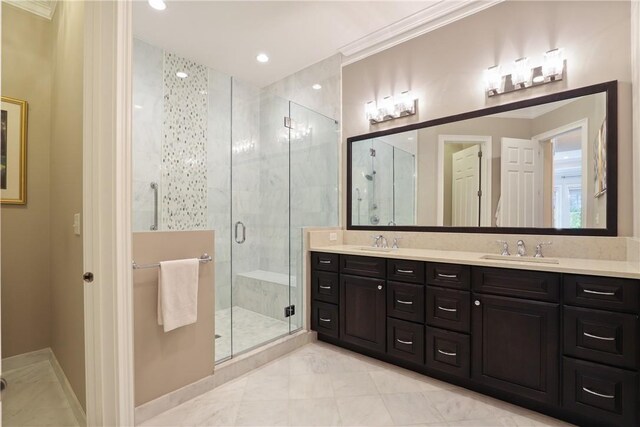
13, 151
600, 161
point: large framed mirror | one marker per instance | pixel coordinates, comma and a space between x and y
546, 165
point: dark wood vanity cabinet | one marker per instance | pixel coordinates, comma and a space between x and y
515, 346
362, 311
563, 344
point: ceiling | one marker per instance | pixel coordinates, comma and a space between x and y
227, 35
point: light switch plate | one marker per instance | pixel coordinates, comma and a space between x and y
333, 237
76, 224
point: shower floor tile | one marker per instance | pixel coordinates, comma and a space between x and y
35, 398
249, 330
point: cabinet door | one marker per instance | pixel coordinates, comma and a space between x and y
516, 346
362, 312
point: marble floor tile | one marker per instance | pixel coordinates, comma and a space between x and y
35, 398
249, 330
322, 385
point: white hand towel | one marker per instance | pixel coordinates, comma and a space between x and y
178, 293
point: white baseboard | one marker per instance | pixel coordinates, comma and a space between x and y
225, 372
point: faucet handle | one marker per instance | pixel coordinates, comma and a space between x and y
539, 246
376, 239
505, 247
395, 243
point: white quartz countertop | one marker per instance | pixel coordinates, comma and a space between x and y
592, 267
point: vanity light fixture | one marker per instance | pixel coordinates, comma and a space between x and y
182, 74
391, 108
523, 75
317, 86
158, 4
262, 58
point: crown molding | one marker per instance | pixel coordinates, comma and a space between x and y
42, 8
433, 17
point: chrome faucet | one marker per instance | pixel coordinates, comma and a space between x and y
380, 242
539, 249
505, 247
522, 250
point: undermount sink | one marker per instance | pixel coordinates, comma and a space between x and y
521, 259
374, 249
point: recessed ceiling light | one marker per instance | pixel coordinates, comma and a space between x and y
410, 138
137, 107
262, 57
203, 92
158, 4
317, 86
182, 74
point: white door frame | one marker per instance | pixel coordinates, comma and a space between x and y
583, 125
107, 213
485, 174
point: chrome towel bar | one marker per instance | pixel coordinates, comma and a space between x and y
204, 258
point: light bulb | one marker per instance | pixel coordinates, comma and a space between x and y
388, 107
493, 79
157, 4
405, 103
553, 64
371, 110
521, 72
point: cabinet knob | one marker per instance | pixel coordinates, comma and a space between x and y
379, 287
477, 302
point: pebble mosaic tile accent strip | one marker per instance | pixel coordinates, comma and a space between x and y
184, 145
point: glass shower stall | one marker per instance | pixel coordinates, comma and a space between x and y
265, 168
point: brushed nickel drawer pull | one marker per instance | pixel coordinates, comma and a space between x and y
453, 310
589, 291
404, 302
606, 396
325, 287
446, 353
325, 261
448, 276
404, 342
597, 337
322, 319
405, 271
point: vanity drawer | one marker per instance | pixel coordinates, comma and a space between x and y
405, 271
405, 301
325, 287
449, 309
449, 275
324, 319
363, 266
536, 285
448, 352
601, 336
602, 292
604, 395
405, 340
324, 261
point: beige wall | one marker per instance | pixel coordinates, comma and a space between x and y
445, 68
67, 293
26, 75
165, 362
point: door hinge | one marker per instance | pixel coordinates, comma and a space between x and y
479, 193
289, 311
3, 384
480, 154
287, 122
372, 152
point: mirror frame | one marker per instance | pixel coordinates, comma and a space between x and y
609, 88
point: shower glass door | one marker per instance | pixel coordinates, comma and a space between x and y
260, 218
313, 183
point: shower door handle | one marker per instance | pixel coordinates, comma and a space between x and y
154, 187
244, 232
